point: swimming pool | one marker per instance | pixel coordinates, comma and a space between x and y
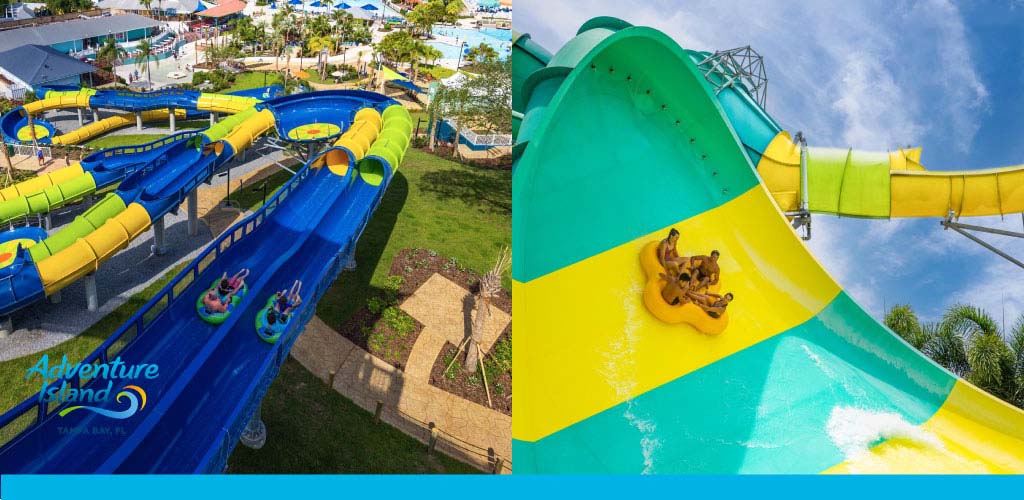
500, 40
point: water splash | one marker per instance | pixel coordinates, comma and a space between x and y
855, 431
620, 372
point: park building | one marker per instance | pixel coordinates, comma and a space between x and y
80, 35
28, 66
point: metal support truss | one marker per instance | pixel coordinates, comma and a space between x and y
725, 68
949, 223
802, 217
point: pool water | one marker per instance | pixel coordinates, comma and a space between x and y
500, 40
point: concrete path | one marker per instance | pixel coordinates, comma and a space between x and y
466, 429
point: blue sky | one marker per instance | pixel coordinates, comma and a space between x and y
871, 75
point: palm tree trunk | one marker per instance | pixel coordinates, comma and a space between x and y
476, 333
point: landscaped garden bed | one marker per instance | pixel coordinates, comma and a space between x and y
383, 329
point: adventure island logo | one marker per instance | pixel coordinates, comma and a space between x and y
96, 398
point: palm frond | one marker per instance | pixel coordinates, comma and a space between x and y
946, 347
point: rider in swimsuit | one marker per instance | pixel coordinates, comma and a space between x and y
668, 256
675, 289
711, 303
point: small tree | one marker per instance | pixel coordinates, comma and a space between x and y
145, 56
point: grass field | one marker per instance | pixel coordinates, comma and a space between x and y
432, 203
312, 429
112, 141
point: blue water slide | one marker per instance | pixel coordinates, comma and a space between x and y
211, 377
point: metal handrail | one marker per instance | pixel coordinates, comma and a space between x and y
139, 148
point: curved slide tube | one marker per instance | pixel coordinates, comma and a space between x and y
802, 380
104, 169
160, 175
857, 183
221, 372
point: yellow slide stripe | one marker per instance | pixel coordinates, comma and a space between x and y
113, 122
77, 100
357, 139
243, 135
85, 255
222, 103
974, 433
606, 341
41, 182
914, 191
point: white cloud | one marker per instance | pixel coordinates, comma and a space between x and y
869, 75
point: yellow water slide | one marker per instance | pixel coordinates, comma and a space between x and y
886, 184
115, 122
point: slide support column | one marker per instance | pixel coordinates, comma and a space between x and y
138, 120
158, 237
193, 213
6, 326
48, 221
213, 118
255, 434
95, 115
81, 117
170, 117
91, 297
350, 259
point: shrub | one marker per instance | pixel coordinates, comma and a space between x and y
399, 321
376, 305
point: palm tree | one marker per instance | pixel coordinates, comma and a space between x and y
109, 52
482, 53
968, 342
147, 4
987, 353
902, 320
145, 56
1016, 342
341, 20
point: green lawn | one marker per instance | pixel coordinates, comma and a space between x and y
314, 430
250, 80
248, 199
455, 210
432, 203
111, 141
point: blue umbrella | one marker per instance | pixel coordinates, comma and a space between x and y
369, 6
316, 4
295, 2
342, 5
273, 6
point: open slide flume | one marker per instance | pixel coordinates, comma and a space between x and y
212, 377
150, 180
622, 137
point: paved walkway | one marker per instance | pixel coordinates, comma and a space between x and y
409, 401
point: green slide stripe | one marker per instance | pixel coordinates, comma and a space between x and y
667, 151
854, 183
220, 129
768, 404
48, 199
73, 93
84, 224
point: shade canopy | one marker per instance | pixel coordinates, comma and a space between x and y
369, 6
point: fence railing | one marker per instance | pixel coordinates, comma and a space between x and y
140, 148
481, 139
33, 411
